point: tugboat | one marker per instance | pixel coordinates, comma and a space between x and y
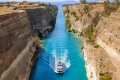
60, 67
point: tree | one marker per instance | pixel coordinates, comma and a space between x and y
83, 1
107, 8
117, 1
86, 8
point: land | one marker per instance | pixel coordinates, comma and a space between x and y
22, 26
99, 26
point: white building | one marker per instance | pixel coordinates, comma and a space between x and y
101, 1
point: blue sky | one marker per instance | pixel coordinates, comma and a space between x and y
49, 0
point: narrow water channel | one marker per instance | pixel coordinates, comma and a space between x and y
60, 41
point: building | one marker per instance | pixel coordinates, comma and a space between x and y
101, 1
12, 8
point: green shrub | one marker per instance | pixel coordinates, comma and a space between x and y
89, 15
106, 8
114, 7
106, 77
96, 19
96, 46
68, 23
74, 14
89, 33
86, 8
110, 7
74, 31
101, 74
67, 10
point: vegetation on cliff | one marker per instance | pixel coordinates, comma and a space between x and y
68, 23
110, 7
98, 20
89, 34
105, 76
67, 19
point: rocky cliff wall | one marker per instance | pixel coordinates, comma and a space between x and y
42, 17
80, 16
108, 37
100, 38
19, 39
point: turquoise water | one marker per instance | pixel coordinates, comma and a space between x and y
60, 40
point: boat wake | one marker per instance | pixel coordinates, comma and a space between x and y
59, 63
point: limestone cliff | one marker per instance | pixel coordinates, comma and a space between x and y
100, 34
19, 31
108, 37
42, 17
79, 18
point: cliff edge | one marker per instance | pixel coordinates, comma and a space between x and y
98, 25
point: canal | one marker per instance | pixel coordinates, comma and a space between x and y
60, 42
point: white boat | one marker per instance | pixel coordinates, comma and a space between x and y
60, 67
59, 63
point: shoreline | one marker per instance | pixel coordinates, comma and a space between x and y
90, 69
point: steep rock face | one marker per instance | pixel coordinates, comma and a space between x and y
79, 17
109, 30
18, 40
98, 63
109, 38
14, 33
16, 46
42, 17
102, 61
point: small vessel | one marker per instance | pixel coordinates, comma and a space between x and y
60, 67
59, 63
